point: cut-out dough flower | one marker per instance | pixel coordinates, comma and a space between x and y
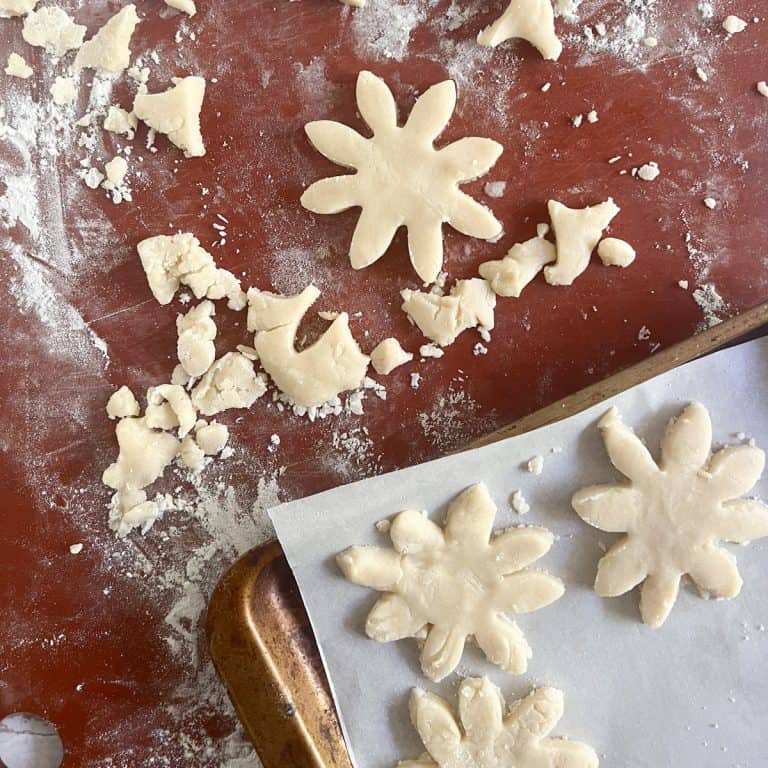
401, 179
489, 738
531, 20
455, 583
674, 513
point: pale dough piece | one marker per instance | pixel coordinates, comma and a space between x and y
524, 261
122, 404
531, 20
442, 318
130, 509
674, 513
186, 6
762, 88
16, 7
53, 29
615, 253
455, 582
401, 179
388, 355
118, 120
312, 377
212, 438
176, 113
172, 260
63, 90
485, 736
109, 49
18, 67
230, 382
733, 24
577, 232
179, 402
196, 332
191, 455
115, 170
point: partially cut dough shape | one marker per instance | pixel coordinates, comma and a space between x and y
109, 49
176, 113
531, 20
18, 67
523, 262
388, 355
119, 120
185, 6
485, 736
53, 29
180, 403
172, 260
457, 582
16, 7
401, 179
674, 514
312, 377
442, 318
616, 253
577, 232
196, 332
230, 382
122, 403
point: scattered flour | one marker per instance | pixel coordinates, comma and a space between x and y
712, 304
383, 30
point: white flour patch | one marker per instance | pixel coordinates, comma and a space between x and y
712, 304
19, 203
383, 29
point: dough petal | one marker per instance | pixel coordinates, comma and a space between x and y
570, 754
425, 247
517, 547
413, 533
539, 712
742, 521
620, 570
434, 721
610, 508
735, 470
716, 573
470, 157
658, 595
375, 102
481, 709
529, 591
373, 234
391, 619
473, 219
625, 449
441, 653
432, 111
687, 439
504, 644
372, 567
338, 142
470, 517
332, 195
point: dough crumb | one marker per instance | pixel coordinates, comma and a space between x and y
592, 117
601, 29
536, 465
702, 75
683, 284
546, 87
531, 20
577, 121
762, 88
383, 526
76, 549
122, 404
479, 349
711, 203
733, 24
430, 350
119, 120
650, 42
53, 29
415, 380
616, 253
18, 67
115, 171
63, 90
495, 188
185, 6
649, 171
519, 267
388, 355
109, 49
519, 504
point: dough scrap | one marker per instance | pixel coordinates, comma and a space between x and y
522, 263
442, 318
212, 438
180, 404
531, 20
122, 403
484, 736
455, 582
577, 232
191, 454
674, 513
196, 332
172, 260
18, 67
119, 120
176, 113
230, 382
401, 179
109, 49
185, 6
16, 7
317, 374
615, 253
63, 90
53, 29
115, 171
733, 24
388, 355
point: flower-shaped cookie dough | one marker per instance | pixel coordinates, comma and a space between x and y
674, 513
401, 179
491, 740
455, 583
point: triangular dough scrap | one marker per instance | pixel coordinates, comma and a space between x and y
109, 49
508, 276
388, 355
531, 20
53, 29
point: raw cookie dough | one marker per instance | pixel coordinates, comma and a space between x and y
401, 179
172, 260
577, 232
109, 49
442, 318
312, 377
674, 514
176, 113
53, 29
177, 399
211, 438
115, 171
524, 261
186, 6
122, 404
615, 253
388, 355
63, 90
531, 20
118, 120
16, 7
195, 346
18, 67
456, 582
230, 382
490, 738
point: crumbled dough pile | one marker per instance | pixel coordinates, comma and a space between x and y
196, 333
733, 25
388, 355
531, 20
18, 67
231, 382
522, 263
109, 49
53, 29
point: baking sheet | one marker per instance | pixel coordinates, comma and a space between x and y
692, 693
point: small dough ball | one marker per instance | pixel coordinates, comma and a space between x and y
733, 24
616, 253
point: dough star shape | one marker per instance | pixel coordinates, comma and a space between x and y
674, 513
490, 739
455, 583
401, 179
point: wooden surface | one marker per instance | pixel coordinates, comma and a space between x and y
107, 643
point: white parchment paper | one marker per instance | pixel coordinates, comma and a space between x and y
692, 694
